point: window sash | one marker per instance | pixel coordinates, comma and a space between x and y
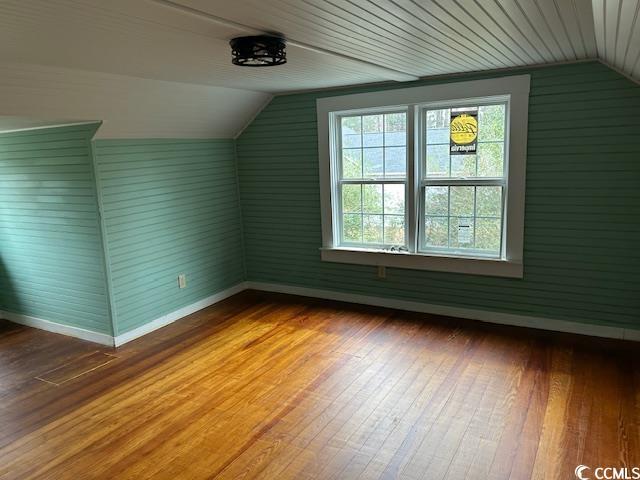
450, 181
340, 181
416, 180
338, 141
474, 182
362, 213
462, 252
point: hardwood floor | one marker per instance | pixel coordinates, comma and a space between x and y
277, 387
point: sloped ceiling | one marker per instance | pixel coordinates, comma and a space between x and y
176, 51
129, 107
617, 28
424, 38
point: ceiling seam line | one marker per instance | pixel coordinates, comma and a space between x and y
504, 12
535, 30
400, 75
431, 55
507, 34
546, 22
575, 12
441, 32
633, 25
447, 76
433, 43
496, 60
564, 28
480, 24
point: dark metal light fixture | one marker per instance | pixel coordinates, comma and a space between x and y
258, 51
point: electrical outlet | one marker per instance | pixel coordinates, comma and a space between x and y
182, 280
382, 271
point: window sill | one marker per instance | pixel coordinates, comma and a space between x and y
418, 261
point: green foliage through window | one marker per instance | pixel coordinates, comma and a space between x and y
462, 195
373, 149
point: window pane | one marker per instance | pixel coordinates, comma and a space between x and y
437, 200
436, 231
488, 234
352, 163
394, 229
463, 165
488, 201
351, 132
372, 228
438, 127
491, 123
372, 162
352, 227
372, 198
395, 129
478, 231
461, 201
490, 159
437, 160
352, 198
456, 217
395, 161
372, 130
394, 199
461, 232
464, 216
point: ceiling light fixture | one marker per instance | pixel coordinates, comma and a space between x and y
258, 51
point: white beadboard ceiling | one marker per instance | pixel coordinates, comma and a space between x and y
617, 27
183, 45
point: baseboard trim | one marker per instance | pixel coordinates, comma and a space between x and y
481, 315
118, 340
49, 326
541, 323
177, 314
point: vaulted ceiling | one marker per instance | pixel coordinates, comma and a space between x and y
330, 42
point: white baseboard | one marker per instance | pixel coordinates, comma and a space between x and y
632, 334
177, 315
482, 315
106, 339
49, 326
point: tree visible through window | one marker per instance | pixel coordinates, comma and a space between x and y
460, 201
462, 194
428, 177
373, 153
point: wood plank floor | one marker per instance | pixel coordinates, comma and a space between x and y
278, 387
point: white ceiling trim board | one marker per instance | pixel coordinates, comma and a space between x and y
52, 125
391, 73
447, 76
162, 68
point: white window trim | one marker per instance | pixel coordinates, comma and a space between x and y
516, 89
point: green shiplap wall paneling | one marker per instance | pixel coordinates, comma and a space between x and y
582, 205
169, 207
51, 262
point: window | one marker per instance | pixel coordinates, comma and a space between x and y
373, 179
421, 178
461, 191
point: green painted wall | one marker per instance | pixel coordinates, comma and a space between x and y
170, 207
582, 206
51, 262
